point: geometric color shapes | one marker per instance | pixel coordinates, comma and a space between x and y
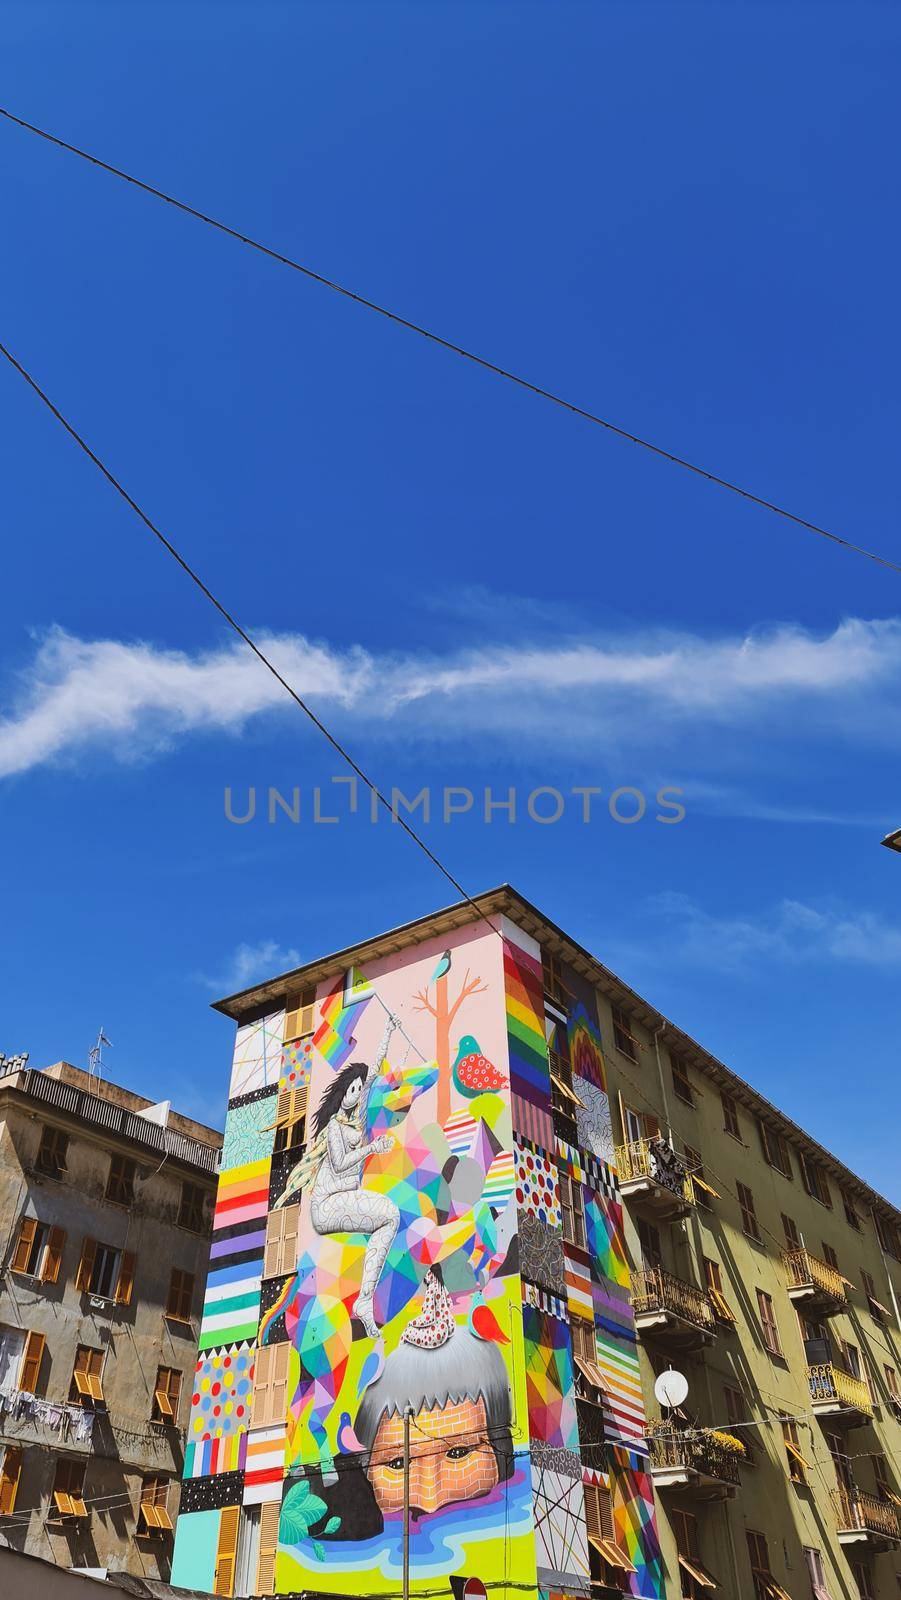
258, 1054
220, 1404
606, 1245
634, 1521
593, 1125
526, 1043
549, 1380
624, 1417
561, 1546
577, 1271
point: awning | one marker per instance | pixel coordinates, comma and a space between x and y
721, 1306
611, 1553
795, 1453
697, 1572
703, 1184
590, 1370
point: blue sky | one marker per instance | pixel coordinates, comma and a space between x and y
677, 215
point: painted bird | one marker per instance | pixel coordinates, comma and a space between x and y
372, 1367
348, 1443
473, 1073
442, 969
484, 1323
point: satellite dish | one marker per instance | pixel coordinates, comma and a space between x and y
671, 1388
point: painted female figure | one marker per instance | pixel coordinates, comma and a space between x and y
332, 1170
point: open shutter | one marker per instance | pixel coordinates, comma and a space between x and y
269, 1514
30, 1370
9, 1480
53, 1255
86, 1265
126, 1280
224, 1580
27, 1229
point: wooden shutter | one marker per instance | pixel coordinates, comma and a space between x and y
270, 1385
9, 1479
269, 1514
30, 1370
290, 1228
224, 1580
126, 1280
300, 1014
86, 1265
53, 1255
27, 1229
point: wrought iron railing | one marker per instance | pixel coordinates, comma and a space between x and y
857, 1512
827, 1382
653, 1158
808, 1272
699, 1451
653, 1289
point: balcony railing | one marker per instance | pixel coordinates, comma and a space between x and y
653, 1159
702, 1451
808, 1272
857, 1512
653, 1289
830, 1383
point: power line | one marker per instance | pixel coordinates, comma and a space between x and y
453, 348
240, 631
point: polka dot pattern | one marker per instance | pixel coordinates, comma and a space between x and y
220, 1404
536, 1184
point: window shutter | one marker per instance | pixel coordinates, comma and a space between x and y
86, 1265
126, 1280
269, 1514
270, 1385
290, 1230
53, 1255
224, 1580
30, 1370
278, 1400
273, 1254
9, 1479
27, 1229
261, 1381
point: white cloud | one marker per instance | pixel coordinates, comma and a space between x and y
250, 963
635, 691
789, 932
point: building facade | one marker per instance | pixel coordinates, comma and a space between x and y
477, 1197
106, 1203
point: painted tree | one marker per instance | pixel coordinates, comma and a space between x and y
444, 1012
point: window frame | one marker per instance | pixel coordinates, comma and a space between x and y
621, 1024
120, 1181
748, 1212
167, 1391
191, 1208
769, 1326
731, 1123
180, 1298
683, 1087
87, 1376
56, 1166
775, 1149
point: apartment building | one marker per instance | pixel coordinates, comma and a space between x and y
477, 1197
105, 1206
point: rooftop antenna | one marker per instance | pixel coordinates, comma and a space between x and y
95, 1055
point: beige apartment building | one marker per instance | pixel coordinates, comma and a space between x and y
105, 1209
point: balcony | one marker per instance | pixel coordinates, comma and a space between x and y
813, 1286
651, 1173
670, 1311
838, 1396
865, 1521
703, 1463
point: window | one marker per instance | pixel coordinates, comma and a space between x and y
166, 1394
38, 1251
817, 1576
226, 1550
572, 1206
883, 1482
649, 1239
583, 1340
120, 1185
759, 1558
814, 1179
877, 1310
270, 1385
775, 1149
682, 1084
768, 1323
625, 1042
798, 1468
300, 1014
830, 1257
280, 1256
891, 1383
730, 1117
694, 1578
153, 1511
851, 1217
269, 1515
601, 1535
704, 1192
68, 1488
29, 1379
10, 1472
105, 1272
714, 1277
749, 1222
864, 1580
52, 1152
86, 1378
191, 1208
181, 1295
888, 1235
792, 1236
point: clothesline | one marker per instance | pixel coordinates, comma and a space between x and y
70, 1421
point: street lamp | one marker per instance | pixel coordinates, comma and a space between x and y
892, 841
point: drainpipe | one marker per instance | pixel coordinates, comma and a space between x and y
657, 1033
888, 1276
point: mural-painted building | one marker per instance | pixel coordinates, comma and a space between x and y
418, 1214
